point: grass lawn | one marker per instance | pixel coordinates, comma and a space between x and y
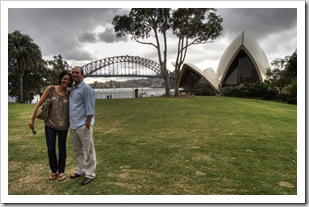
167, 146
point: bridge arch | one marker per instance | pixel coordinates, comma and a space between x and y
93, 69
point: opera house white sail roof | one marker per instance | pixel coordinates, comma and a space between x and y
191, 74
252, 48
243, 61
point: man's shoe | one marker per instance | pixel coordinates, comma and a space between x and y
86, 181
75, 175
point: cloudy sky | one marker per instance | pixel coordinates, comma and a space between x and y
82, 35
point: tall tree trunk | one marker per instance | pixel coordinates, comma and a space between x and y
21, 88
167, 86
177, 82
181, 56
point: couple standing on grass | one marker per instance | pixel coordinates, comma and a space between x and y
70, 108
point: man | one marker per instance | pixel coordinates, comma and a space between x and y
82, 106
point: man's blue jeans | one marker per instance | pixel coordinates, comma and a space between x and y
51, 134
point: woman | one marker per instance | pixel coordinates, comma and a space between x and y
56, 123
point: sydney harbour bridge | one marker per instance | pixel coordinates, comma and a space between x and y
124, 66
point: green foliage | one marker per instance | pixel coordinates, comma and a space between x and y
190, 26
33, 81
193, 26
167, 146
203, 88
28, 73
198, 24
23, 52
205, 92
291, 69
139, 24
23, 55
251, 90
292, 89
54, 67
283, 75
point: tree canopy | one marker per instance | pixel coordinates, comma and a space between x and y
189, 25
28, 73
283, 76
23, 55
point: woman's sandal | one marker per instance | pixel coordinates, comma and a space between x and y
61, 177
52, 176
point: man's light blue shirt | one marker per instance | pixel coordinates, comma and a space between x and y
82, 104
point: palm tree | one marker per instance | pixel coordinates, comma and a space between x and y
23, 55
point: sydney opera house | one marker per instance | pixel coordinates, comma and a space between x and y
243, 61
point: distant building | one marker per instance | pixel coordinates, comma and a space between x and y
243, 61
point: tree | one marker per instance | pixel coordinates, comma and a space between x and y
23, 55
290, 70
33, 81
139, 24
283, 75
193, 26
197, 25
291, 75
54, 67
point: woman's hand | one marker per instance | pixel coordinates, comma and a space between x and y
31, 123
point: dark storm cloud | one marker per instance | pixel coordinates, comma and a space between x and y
108, 36
61, 30
268, 26
257, 21
69, 32
88, 37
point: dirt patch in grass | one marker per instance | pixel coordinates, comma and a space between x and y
30, 182
193, 147
16, 138
199, 173
249, 150
117, 184
286, 184
201, 157
113, 127
182, 186
133, 180
14, 165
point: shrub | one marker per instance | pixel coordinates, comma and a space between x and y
251, 90
292, 89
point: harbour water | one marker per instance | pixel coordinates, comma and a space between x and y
106, 93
